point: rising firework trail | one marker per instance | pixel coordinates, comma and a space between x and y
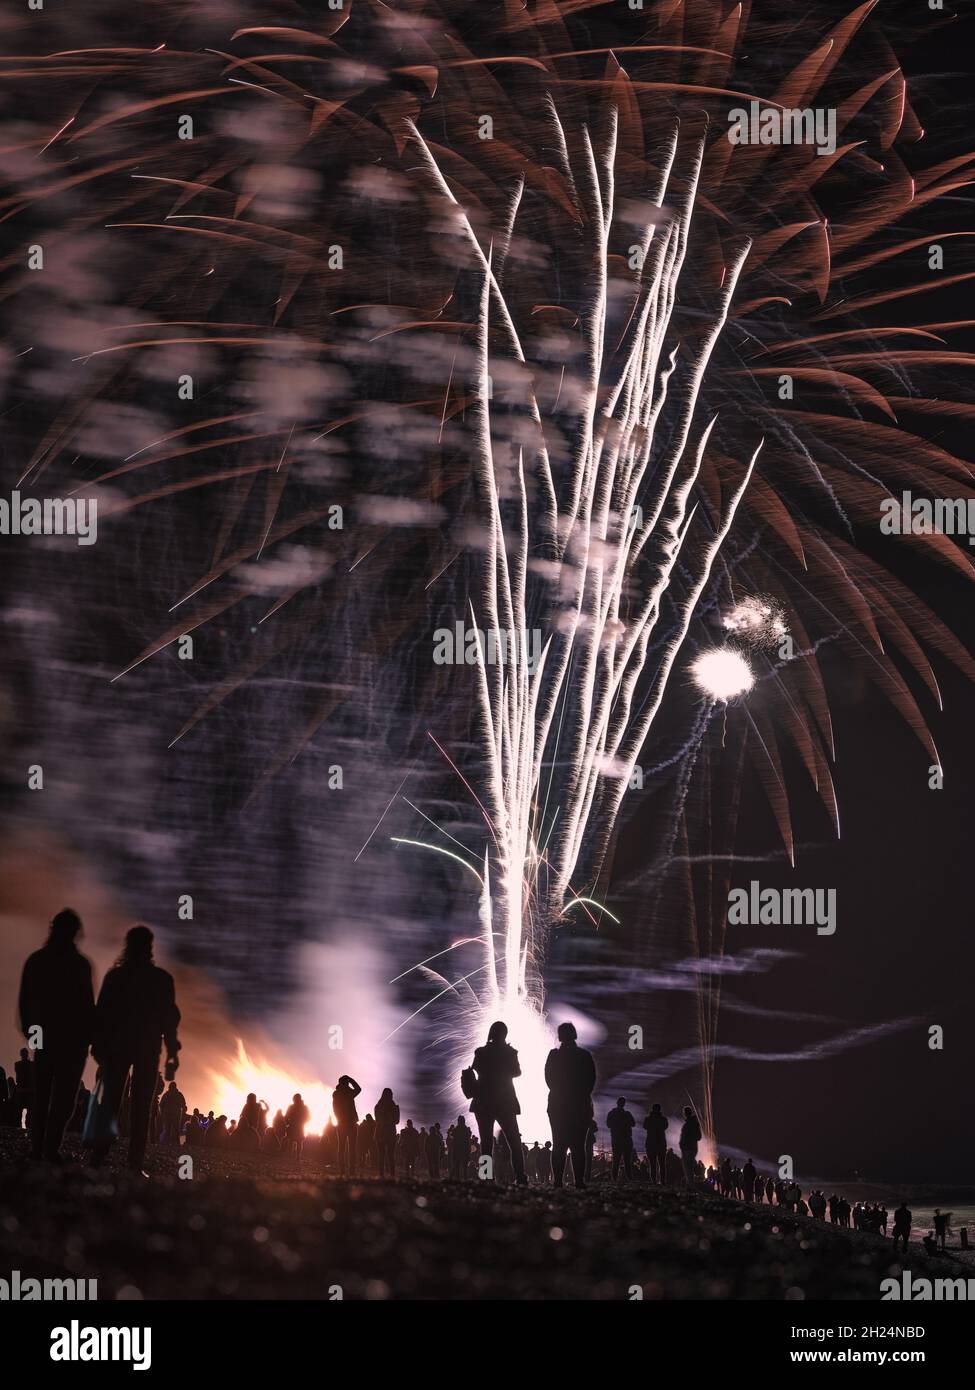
614, 524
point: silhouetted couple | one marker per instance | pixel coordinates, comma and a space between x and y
135, 1014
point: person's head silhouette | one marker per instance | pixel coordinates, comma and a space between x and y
688, 1112
64, 928
655, 1108
621, 1103
497, 1032
138, 947
567, 1033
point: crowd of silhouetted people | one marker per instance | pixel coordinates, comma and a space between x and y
134, 1021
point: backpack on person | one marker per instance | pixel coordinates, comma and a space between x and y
468, 1082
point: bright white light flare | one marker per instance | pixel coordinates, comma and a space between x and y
722, 673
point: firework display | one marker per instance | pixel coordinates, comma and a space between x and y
486, 578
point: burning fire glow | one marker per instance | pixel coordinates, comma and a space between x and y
246, 1074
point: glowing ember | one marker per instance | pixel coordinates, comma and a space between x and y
722, 673
270, 1083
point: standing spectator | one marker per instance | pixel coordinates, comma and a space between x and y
690, 1137
656, 1124
570, 1074
347, 1122
620, 1123
136, 1013
57, 1007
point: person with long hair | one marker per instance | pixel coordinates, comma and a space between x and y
494, 1101
136, 1013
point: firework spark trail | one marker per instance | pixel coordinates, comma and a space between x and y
593, 655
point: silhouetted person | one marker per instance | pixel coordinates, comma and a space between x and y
57, 1006
250, 1125
172, 1111
367, 1142
218, 1135
495, 1102
23, 1088
461, 1150
656, 1126
902, 1225
434, 1150
296, 1118
942, 1221
136, 1013
690, 1137
346, 1121
387, 1118
620, 1124
748, 1177
409, 1141
276, 1134
570, 1074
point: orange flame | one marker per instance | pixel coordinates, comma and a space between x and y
246, 1074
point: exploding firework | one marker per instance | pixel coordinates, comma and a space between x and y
722, 673
540, 361
757, 621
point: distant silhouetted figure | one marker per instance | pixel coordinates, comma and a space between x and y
56, 998
656, 1124
366, 1142
409, 1141
434, 1149
172, 1111
23, 1087
387, 1118
942, 1222
903, 1218
748, 1177
690, 1137
570, 1074
495, 1102
620, 1124
135, 1014
346, 1121
251, 1124
276, 1134
296, 1118
218, 1136
460, 1150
